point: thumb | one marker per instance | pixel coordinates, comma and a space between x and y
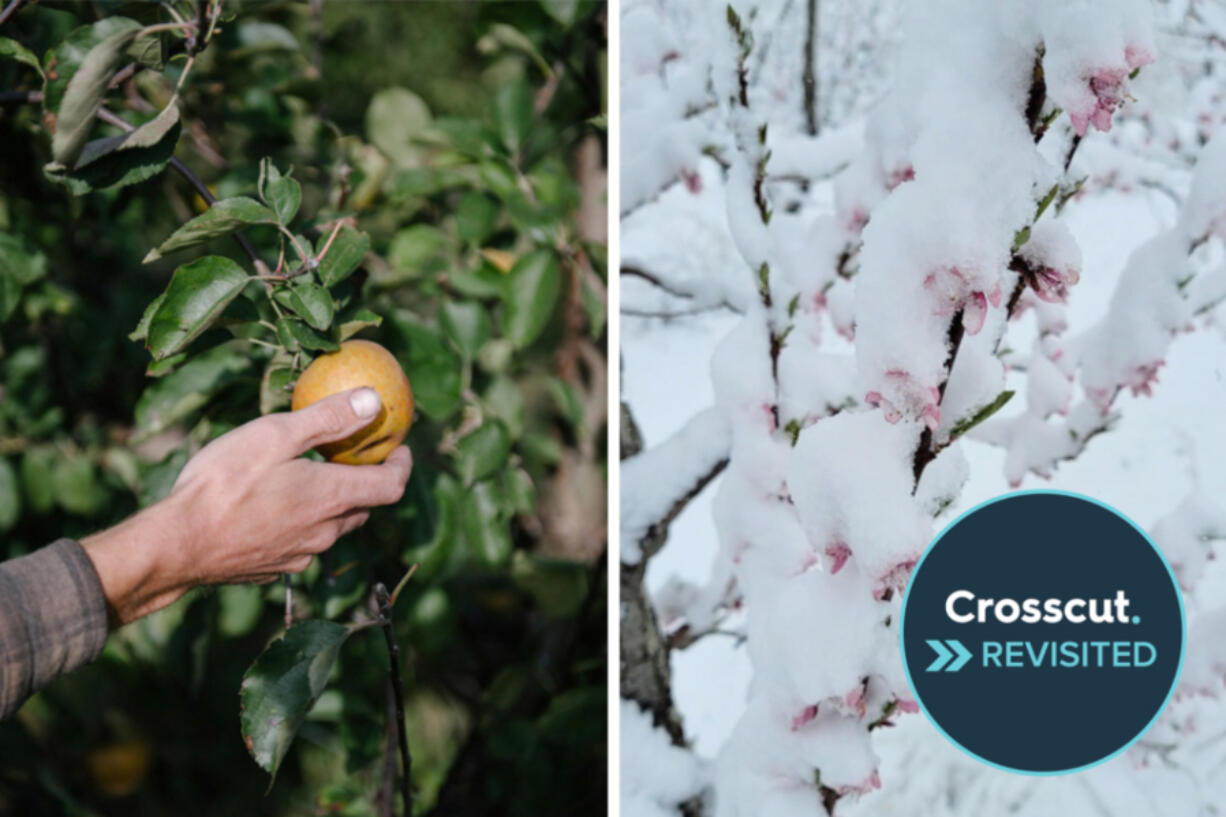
331, 419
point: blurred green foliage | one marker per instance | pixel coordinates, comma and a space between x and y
461, 144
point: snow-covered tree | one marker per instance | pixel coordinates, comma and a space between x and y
900, 281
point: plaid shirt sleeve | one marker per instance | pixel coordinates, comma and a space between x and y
52, 619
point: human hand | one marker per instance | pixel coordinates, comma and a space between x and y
247, 508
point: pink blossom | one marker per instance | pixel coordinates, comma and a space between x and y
873, 781
905, 173
839, 553
1144, 377
1107, 86
857, 700
894, 579
1051, 285
907, 706
857, 220
952, 291
806, 715
910, 399
693, 182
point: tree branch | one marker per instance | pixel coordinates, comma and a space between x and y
810, 73
393, 674
10, 10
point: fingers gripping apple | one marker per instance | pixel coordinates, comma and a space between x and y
360, 363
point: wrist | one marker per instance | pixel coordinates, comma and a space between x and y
136, 562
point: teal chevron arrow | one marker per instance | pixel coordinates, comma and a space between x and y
962, 652
943, 655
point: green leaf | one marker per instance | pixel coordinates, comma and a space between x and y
413, 246
575, 718
282, 193
564, 11
466, 325
19, 268
592, 297
146, 51
274, 386
482, 451
222, 218
433, 368
85, 93
13, 50
257, 37
142, 329
485, 528
128, 158
159, 478
514, 39
283, 684
305, 336
395, 119
240, 608
309, 301
10, 496
518, 490
558, 587
362, 319
197, 294
513, 114
72, 51
36, 482
75, 482
475, 216
967, 423
504, 399
177, 395
532, 290
343, 257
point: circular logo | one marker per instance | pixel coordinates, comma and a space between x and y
1042, 632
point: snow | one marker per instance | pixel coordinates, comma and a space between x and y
793, 558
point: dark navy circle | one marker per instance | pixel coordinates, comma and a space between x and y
1042, 697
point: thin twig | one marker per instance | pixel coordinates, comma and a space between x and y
10, 10
289, 601
393, 654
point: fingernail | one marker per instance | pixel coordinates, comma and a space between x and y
365, 402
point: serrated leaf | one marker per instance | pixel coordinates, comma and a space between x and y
466, 325
279, 689
304, 336
532, 290
84, 95
174, 397
71, 52
966, 424
282, 193
197, 294
128, 158
13, 50
309, 301
482, 451
343, 257
142, 329
222, 218
362, 319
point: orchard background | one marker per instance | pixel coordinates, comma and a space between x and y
426, 175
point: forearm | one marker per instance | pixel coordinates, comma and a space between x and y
53, 619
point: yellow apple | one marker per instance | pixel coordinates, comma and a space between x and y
360, 363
